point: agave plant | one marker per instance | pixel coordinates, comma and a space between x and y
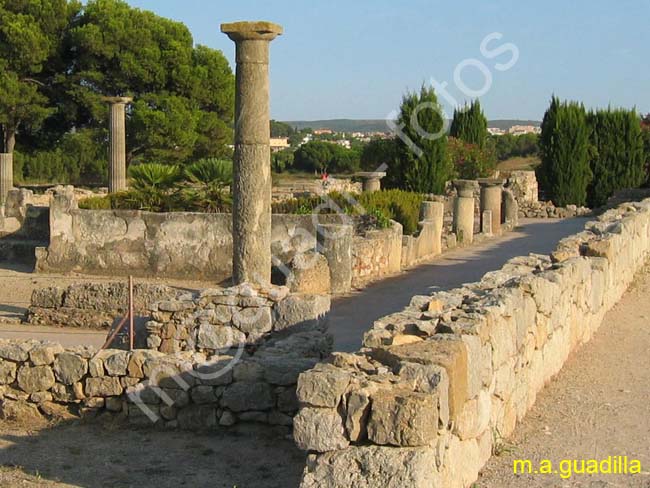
209, 179
153, 176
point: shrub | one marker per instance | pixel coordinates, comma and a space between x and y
469, 160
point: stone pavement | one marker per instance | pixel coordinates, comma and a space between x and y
352, 315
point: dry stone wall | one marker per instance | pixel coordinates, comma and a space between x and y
376, 254
423, 402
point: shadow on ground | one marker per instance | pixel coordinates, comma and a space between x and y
93, 455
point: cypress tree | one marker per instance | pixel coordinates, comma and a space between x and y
618, 159
422, 164
469, 124
564, 150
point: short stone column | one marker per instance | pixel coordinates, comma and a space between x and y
6, 175
117, 143
491, 200
371, 180
335, 243
434, 213
463, 224
252, 162
510, 215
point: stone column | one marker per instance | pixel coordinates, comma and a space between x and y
252, 163
6, 175
434, 212
463, 224
491, 200
117, 143
510, 209
335, 243
371, 180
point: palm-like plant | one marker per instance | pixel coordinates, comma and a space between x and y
209, 179
154, 176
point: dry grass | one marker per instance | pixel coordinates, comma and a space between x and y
519, 164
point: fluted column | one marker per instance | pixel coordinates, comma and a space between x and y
6, 175
252, 162
117, 143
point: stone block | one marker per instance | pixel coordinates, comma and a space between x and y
69, 368
323, 386
240, 397
104, 386
44, 354
309, 273
301, 311
319, 429
34, 379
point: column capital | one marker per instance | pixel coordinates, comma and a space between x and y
488, 182
117, 100
465, 188
252, 31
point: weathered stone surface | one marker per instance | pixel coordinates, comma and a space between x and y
203, 394
105, 386
302, 311
69, 368
44, 354
283, 371
219, 337
13, 351
19, 410
319, 429
116, 364
358, 411
373, 467
7, 372
322, 386
253, 321
240, 397
37, 378
403, 419
309, 273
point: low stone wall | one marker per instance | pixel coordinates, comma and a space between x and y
172, 245
94, 305
547, 210
422, 404
376, 254
213, 319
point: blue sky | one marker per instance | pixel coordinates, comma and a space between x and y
355, 58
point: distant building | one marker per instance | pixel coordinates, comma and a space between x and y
343, 143
279, 143
323, 132
495, 131
519, 130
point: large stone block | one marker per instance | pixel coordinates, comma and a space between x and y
69, 368
301, 312
102, 387
403, 418
323, 386
35, 379
309, 272
319, 429
240, 397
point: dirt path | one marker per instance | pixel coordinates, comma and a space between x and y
598, 406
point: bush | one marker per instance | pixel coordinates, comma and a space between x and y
469, 160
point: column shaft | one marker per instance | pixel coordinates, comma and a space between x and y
6, 175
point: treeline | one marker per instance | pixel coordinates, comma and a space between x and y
588, 155
58, 58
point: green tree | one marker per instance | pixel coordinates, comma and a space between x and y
281, 129
321, 156
184, 95
422, 162
618, 160
379, 152
565, 152
469, 124
30, 39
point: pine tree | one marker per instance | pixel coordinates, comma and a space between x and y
469, 124
422, 164
618, 159
564, 150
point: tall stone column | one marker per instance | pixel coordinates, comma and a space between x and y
491, 200
6, 175
463, 224
117, 143
434, 213
252, 163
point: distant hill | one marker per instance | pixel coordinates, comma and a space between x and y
379, 125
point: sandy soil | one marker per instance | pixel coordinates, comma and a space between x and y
598, 406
